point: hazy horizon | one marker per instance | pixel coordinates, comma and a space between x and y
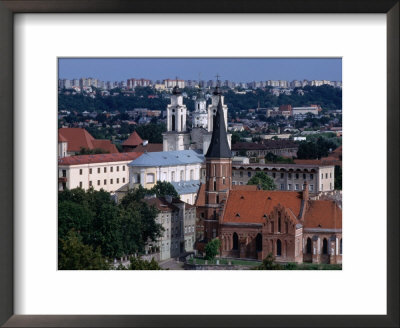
232, 69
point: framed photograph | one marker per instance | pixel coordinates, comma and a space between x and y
170, 136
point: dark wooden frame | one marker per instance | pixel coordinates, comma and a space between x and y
9, 7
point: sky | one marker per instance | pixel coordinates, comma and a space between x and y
233, 69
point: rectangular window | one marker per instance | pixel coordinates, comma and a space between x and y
297, 175
105, 170
98, 182
289, 186
304, 176
80, 184
117, 168
322, 176
241, 174
311, 187
330, 175
191, 174
311, 176
322, 187
105, 181
123, 180
111, 181
90, 183
98, 170
330, 185
297, 186
223, 180
326, 175
90, 171
111, 169
249, 174
289, 175
80, 171
64, 173
274, 175
282, 175
123, 168
172, 176
282, 186
117, 180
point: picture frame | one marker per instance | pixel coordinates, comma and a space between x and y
7, 10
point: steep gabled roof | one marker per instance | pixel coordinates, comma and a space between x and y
219, 147
133, 140
78, 138
245, 206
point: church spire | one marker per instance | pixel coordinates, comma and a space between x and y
219, 147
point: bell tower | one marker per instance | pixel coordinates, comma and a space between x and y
176, 137
218, 174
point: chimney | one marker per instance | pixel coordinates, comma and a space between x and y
305, 191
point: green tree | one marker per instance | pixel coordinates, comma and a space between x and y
338, 177
269, 263
263, 180
75, 255
137, 263
212, 249
86, 151
164, 188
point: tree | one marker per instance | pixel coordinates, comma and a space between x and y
115, 230
263, 180
338, 177
164, 188
75, 255
140, 264
269, 263
212, 249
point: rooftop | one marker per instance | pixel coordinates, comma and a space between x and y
98, 158
168, 158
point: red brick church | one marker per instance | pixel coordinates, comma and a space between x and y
252, 223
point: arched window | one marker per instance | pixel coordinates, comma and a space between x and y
235, 242
308, 246
325, 246
341, 247
279, 221
173, 122
278, 248
259, 243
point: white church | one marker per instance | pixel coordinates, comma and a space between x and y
178, 136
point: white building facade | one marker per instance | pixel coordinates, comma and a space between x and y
102, 171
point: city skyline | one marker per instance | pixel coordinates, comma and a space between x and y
232, 69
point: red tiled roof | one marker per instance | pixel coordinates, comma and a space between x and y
98, 158
201, 195
244, 187
323, 214
78, 138
133, 140
105, 145
251, 206
61, 138
150, 148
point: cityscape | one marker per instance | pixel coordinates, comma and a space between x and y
200, 174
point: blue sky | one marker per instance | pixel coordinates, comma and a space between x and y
234, 69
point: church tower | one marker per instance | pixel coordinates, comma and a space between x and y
218, 174
212, 108
176, 137
200, 117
